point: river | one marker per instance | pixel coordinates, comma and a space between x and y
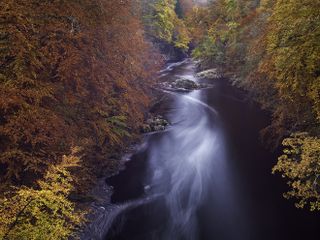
207, 176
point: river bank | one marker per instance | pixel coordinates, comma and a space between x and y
99, 204
207, 177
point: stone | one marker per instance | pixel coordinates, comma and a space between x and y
210, 74
185, 84
146, 128
157, 123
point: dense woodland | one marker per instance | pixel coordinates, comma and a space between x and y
75, 79
74, 76
271, 48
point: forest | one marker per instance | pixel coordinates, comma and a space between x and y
77, 81
271, 49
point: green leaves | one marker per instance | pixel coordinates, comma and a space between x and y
119, 128
163, 20
165, 24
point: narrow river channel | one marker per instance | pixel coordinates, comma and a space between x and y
207, 176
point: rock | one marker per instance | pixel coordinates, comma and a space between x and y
185, 84
164, 122
182, 84
145, 128
210, 74
157, 123
158, 128
149, 121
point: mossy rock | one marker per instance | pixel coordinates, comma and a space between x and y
185, 84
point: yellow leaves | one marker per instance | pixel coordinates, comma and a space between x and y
232, 25
44, 213
166, 25
197, 22
163, 20
273, 50
183, 37
300, 164
293, 42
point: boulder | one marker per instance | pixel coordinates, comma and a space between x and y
154, 124
145, 128
182, 85
185, 84
210, 74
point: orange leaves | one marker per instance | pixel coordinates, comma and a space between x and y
31, 136
62, 63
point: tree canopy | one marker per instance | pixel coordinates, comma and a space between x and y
165, 24
72, 74
271, 48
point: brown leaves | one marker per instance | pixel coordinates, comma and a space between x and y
59, 60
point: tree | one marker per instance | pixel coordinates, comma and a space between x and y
300, 165
72, 73
271, 48
293, 48
183, 7
67, 66
166, 25
43, 212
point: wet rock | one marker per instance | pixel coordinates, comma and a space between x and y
154, 124
210, 74
182, 85
158, 128
185, 84
146, 128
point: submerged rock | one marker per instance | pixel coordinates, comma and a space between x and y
154, 124
210, 74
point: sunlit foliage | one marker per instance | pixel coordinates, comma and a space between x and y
42, 212
272, 49
67, 66
72, 73
167, 26
293, 47
300, 164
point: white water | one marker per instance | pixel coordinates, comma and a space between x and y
180, 162
185, 163
193, 189
103, 223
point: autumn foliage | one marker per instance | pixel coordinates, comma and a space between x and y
165, 26
65, 66
272, 49
72, 73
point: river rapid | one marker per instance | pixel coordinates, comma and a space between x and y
207, 176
